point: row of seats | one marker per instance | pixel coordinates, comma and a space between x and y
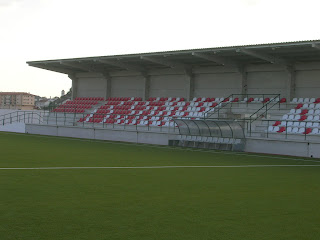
263, 100
305, 100
156, 111
69, 110
85, 102
209, 139
124, 99
133, 105
307, 106
165, 112
296, 124
134, 122
293, 130
304, 111
90, 98
139, 117
79, 105
300, 117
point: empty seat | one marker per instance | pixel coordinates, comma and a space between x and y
285, 117
302, 124
279, 130
299, 106
310, 112
307, 131
277, 123
289, 124
270, 129
283, 123
310, 118
291, 117
311, 106
296, 124
293, 111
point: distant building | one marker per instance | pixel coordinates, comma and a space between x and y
17, 100
40, 102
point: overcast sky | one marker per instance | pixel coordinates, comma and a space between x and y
52, 29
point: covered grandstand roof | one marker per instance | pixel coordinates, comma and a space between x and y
286, 53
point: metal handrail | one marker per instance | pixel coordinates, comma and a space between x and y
20, 116
249, 128
233, 96
286, 126
217, 110
265, 106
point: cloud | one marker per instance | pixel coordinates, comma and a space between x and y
251, 2
6, 3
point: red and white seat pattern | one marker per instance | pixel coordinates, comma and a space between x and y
154, 112
303, 119
306, 100
263, 100
79, 105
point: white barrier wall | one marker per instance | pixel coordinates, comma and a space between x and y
14, 127
283, 147
100, 134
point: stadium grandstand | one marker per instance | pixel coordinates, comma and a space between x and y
255, 98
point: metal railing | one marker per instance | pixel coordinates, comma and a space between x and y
266, 107
98, 121
285, 133
217, 109
224, 105
22, 116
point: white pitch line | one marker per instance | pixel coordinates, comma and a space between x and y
154, 167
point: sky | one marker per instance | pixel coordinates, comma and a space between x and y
32, 30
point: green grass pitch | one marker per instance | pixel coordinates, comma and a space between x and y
225, 203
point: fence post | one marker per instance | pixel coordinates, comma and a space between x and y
286, 129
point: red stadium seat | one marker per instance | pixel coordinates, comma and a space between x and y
282, 129
277, 123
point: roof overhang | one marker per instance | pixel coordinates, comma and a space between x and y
286, 54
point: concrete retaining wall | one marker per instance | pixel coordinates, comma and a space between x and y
14, 127
100, 134
283, 147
